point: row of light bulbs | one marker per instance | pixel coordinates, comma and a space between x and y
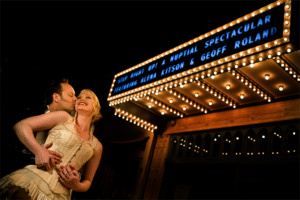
237, 138
186, 100
165, 107
226, 59
229, 141
216, 93
135, 120
141, 94
251, 85
288, 69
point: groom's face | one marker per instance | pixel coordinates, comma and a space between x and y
67, 98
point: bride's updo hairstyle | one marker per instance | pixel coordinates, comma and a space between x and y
96, 105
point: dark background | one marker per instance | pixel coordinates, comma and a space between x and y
89, 42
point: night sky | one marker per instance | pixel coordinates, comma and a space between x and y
90, 42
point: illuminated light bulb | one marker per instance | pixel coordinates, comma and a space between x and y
227, 86
236, 66
275, 42
286, 22
244, 64
267, 76
269, 99
251, 65
258, 91
242, 96
162, 113
171, 100
269, 56
196, 94
149, 106
184, 108
210, 103
234, 106
237, 138
212, 77
289, 50
280, 88
205, 111
278, 53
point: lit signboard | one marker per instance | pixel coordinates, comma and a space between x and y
254, 31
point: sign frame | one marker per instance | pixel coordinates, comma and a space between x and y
230, 58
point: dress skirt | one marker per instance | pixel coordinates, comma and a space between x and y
28, 181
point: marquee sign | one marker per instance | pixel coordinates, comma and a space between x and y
252, 33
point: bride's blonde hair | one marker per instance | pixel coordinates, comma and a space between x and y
96, 105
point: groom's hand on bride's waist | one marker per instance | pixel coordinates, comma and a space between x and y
51, 162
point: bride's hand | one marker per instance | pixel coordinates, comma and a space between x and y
68, 176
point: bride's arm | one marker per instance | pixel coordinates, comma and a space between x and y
25, 128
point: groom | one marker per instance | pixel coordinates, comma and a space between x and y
59, 95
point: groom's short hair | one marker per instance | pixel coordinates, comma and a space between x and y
54, 87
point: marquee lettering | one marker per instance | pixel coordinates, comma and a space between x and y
257, 30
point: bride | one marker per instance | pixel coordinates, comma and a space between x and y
71, 137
